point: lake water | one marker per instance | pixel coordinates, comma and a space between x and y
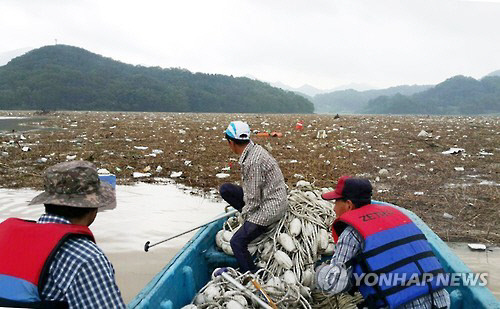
157, 211
19, 124
144, 212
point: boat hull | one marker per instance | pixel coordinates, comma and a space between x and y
177, 284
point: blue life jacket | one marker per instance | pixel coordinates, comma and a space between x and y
26, 252
395, 249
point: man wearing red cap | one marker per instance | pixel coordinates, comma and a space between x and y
379, 240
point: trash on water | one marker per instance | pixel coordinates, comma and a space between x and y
147, 169
418, 193
447, 216
485, 153
187, 163
5, 154
383, 172
423, 133
140, 175
41, 160
159, 169
303, 183
222, 175
157, 151
26, 149
141, 147
70, 158
175, 174
453, 151
269, 147
479, 247
459, 169
103, 171
321, 134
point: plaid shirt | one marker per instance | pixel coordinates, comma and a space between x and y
264, 190
80, 274
349, 244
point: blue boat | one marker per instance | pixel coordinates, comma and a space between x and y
177, 284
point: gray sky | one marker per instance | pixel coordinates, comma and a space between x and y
323, 43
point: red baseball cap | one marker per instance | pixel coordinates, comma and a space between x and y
350, 188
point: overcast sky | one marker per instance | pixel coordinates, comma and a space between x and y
323, 43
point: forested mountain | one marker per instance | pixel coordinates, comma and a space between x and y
62, 77
457, 95
352, 101
495, 73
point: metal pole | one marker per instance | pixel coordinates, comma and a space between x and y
228, 214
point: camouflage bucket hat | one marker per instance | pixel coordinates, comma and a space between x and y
75, 184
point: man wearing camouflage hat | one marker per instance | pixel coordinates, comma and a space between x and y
55, 261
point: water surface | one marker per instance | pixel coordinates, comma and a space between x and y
19, 124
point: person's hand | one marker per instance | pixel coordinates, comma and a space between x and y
317, 272
244, 214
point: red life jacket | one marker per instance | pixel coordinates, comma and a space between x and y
26, 252
393, 246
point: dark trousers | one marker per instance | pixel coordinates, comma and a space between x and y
233, 195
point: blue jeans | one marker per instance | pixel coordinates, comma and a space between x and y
233, 195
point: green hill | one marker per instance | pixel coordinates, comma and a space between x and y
62, 77
458, 95
351, 101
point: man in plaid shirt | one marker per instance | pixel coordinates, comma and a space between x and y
349, 195
73, 272
262, 197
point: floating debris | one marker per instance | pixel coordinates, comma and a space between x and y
484, 153
222, 175
383, 172
140, 175
321, 134
477, 247
175, 174
447, 216
453, 151
423, 133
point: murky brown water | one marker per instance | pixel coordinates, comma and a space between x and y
144, 212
